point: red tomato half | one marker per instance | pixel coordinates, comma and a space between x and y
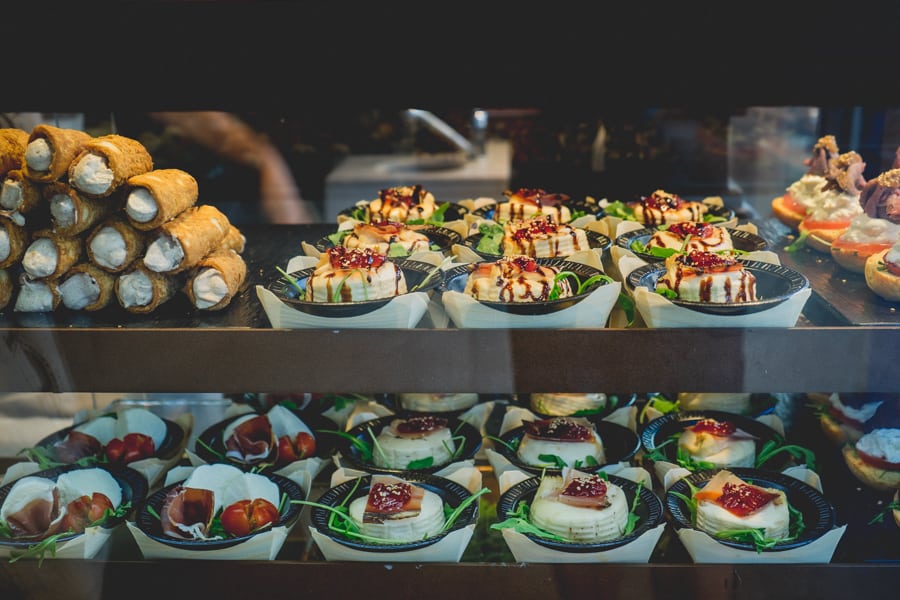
134, 446
246, 516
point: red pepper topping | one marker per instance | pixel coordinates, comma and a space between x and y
591, 486
526, 263
743, 499
662, 200
388, 497
713, 427
355, 258
423, 424
706, 260
535, 227
692, 228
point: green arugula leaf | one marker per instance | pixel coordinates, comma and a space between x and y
422, 463
879, 518
396, 250
437, 217
633, 517
511, 446
364, 449
491, 238
517, 520
291, 280
621, 210
773, 447
798, 243
337, 238
553, 459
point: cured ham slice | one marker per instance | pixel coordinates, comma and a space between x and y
574, 440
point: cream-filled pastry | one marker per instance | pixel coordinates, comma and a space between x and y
515, 279
413, 440
662, 207
401, 204
708, 277
353, 275
719, 443
526, 203
542, 237
574, 441
580, 507
397, 511
728, 503
386, 237
688, 236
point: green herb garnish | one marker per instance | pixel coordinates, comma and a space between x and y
633, 517
396, 250
491, 238
580, 286
798, 243
364, 448
291, 280
879, 518
660, 403
773, 447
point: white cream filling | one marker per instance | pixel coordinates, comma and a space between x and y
881, 443
141, 205
866, 230
163, 254
806, 189
209, 288
834, 205
108, 248
5, 245
62, 209
34, 296
79, 290
861, 414
41, 258
38, 154
135, 289
92, 175
11, 195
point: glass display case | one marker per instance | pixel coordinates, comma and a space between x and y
605, 103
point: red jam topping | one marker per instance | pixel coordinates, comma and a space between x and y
537, 196
662, 201
423, 424
701, 260
408, 195
388, 497
713, 427
355, 258
561, 429
535, 227
591, 486
692, 228
743, 499
525, 263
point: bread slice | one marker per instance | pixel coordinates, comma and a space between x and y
852, 256
820, 239
787, 212
880, 280
873, 477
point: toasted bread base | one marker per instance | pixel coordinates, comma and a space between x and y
786, 214
873, 477
850, 259
882, 282
820, 239
837, 432
896, 511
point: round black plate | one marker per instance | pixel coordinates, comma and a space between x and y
818, 513
655, 433
211, 447
470, 445
395, 403
150, 524
649, 509
621, 400
595, 241
450, 492
420, 277
170, 446
619, 444
455, 281
721, 212
774, 285
741, 240
575, 205
453, 212
441, 237
131, 482
760, 404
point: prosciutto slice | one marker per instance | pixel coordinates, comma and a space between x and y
251, 440
392, 498
187, 513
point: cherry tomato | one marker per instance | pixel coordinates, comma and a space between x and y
134, 446
302, 446
246, 516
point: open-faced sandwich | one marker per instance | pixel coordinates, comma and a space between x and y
791, 207
875, 458
542, 237
347, 275
836, 204
882, 273
570, 441
707, 277
515, 279
846, 417
876, 229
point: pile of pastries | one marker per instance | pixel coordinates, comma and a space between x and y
87, 222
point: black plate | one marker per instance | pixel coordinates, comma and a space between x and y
622, 400
455, 280
420, 277
454, 211
450, 492
658, 431
619, 444
760, 404
148, 523
575, 205
723, 212
774, 285
470, 445
741, 240
818, 513
170, 446
595, 241
132, 483
649, 509
441, 237
211, 447
395, 403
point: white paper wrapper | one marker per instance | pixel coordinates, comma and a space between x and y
448, 549
85, 546
658, 311
704, 549
263, 546
638, 551
401, 312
